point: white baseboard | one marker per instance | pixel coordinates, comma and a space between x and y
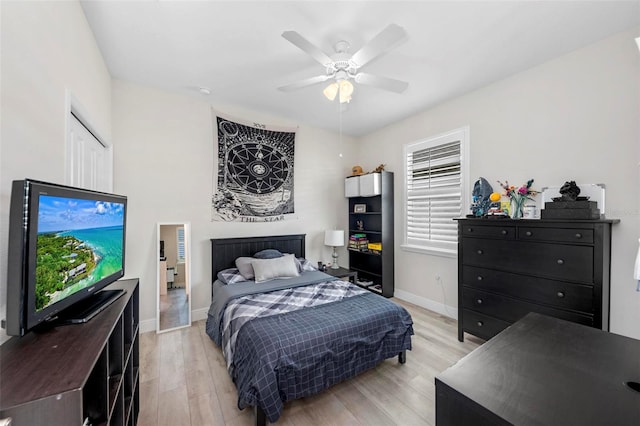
199, 314
149, 325
423, 302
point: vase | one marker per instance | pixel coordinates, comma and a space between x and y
516, 206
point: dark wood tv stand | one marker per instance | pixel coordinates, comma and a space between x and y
70, 373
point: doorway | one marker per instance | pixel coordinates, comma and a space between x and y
174, 276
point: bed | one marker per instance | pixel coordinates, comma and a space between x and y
285, 339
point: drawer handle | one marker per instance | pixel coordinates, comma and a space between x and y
578, 235
560, 262
480, 323
480, 278
479, 301
528, 233
480, 252
560, 294
470, 229
503, 232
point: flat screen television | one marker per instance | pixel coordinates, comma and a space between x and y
65, 245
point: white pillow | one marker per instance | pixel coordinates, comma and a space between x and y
279, 267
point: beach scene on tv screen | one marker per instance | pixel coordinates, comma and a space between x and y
80, 242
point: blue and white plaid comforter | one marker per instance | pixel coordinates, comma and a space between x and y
246, 308
276, 351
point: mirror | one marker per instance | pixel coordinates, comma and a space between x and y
173, 252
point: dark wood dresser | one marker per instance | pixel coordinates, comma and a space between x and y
544, 371
81, 374
508, 268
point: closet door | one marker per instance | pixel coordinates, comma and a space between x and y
88, 160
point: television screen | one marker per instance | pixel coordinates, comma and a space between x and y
80, 242
65, 245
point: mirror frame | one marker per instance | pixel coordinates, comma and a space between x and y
187, 271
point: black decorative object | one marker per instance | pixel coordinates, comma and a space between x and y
480, 202
569, 191
570, 206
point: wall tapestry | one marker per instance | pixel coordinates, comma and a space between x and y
255, 172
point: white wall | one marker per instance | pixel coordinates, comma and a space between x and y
165, 163
574, 118
43, 58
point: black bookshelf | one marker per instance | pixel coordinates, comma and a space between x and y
376, 223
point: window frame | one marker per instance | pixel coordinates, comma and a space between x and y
460, 135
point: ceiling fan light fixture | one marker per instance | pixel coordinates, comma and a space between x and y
346, 90
331, 91
341, 88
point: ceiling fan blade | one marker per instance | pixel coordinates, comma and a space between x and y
307, 47
385, 40
381, 82
304, 83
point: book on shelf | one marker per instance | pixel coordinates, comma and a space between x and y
358, 242
375, 287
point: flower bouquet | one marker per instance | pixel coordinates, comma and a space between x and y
518, 196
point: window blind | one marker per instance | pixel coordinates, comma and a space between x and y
181, 254
434, 196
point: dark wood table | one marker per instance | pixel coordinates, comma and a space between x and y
343, 273
544, 371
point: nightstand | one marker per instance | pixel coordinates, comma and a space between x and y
343, 273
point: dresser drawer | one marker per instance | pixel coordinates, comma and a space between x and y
499, 232
511, 310
564, 295
556, 261
561, 235
483, 326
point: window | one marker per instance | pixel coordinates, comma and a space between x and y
180, 239
436, 179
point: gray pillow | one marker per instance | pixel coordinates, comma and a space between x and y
230, 276
244, 266
279, 267
268, 254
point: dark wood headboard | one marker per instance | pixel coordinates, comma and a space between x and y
224, 251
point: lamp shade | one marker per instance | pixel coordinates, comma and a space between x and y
334, 238
331, 91
344, 88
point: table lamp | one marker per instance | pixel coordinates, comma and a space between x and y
334, 238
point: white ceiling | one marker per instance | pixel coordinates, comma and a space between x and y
235, 48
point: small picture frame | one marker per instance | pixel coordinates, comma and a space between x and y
359, 208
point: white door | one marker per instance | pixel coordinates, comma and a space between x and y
88, 160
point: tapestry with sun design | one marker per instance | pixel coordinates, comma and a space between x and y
255, 172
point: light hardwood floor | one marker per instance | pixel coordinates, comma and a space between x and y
174, 308
184, 381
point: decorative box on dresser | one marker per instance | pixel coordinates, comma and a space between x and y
76, 374
374, 191
507, 268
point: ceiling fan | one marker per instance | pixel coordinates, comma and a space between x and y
343, 68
